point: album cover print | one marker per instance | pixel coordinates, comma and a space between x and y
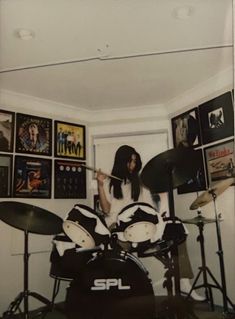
7, 126
33, 134
5, 175
70, 140
186, 129
217, 118
198, 180
220, 162
70, 179
32, 177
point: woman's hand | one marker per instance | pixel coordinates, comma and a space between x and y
100, 176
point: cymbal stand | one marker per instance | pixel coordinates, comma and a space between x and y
24, 295
203, 270
220, 253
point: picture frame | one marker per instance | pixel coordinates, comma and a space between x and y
198, 182
69, 140
32, 177
220, 161
33, 135
6, 175
69, 179
186, 129
217, 118
7, 127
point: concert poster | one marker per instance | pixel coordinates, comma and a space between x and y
7, 126
186, 129
220, 162
70, 140
33, 135
70, 179
32, 177
217, 118
5, 175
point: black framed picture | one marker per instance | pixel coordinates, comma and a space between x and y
32, 177
217, 118
220, 162
70, 179
5, 175
33, 134
7, 126
186, 129
198, 180
70, 140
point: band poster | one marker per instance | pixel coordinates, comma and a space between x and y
70, 179
7, 125
5, 175
33, 134
220, 162
32, 177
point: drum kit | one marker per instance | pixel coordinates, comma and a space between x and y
111, 278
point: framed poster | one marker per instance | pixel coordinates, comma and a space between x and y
70, 179
217, 118
5, 175
7, 126
198, 181
33, 134
186, 129
220, 162
70, 140
32, 177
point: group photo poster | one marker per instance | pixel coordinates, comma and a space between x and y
70, 179
70, 140
5, 175
186, 129
33, 134
217, 118
32, 177
7, 126
220, 162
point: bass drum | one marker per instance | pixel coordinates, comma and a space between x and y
114, 284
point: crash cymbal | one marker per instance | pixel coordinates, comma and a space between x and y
215, 191
170, 169
30, 218
198, 220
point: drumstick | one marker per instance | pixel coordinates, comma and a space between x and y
97, 170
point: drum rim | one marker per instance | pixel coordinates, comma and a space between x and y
78, 226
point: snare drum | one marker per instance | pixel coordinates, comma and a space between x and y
114, 284
85, 228
138, 223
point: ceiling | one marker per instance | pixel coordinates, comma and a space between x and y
105, 54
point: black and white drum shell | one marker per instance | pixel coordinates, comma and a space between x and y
85, 228
139, 222
114, 284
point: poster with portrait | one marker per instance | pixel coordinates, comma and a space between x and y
197, 182
33, 134
220, 162
217, 118
7, 125
70, 140
5, 175
32, 177
70, 179
186, 129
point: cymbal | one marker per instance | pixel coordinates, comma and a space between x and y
170, 169
198, 220
30, 218
207, 196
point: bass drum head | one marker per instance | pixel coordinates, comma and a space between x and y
117, 286
85, 228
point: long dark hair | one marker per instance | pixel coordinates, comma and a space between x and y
122, 158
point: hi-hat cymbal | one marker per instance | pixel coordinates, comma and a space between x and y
170, 169
209, 195
30, 218
198, 220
